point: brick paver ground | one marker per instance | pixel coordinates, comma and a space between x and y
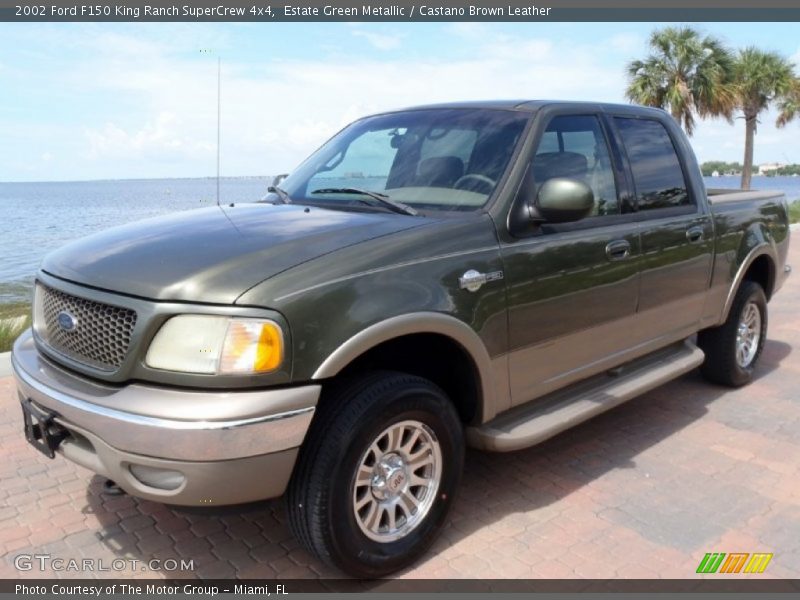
643, 491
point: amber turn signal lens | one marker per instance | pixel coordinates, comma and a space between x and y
251, 346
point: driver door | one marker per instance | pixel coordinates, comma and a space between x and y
572, 287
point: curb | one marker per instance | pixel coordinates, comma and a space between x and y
5, 357
5, 364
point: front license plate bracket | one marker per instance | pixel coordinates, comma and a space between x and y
41, 430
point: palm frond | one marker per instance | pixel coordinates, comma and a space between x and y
686, 73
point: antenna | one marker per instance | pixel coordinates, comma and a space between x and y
219, 104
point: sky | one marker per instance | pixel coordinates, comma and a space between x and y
139, 100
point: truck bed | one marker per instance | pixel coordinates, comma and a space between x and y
723, 195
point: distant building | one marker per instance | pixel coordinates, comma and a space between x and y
767, 167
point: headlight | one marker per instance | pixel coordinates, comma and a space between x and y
217, 345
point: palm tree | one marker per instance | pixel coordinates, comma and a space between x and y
686, 73
789, 105
762, 78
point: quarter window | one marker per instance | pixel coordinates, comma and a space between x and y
574, 147
657, 173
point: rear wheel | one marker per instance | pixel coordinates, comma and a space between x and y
377, 473
732, 349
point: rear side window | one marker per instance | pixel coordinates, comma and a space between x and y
657, 172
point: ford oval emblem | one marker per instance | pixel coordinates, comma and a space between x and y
66, 321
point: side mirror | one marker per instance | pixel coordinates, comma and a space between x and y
562, 200
276, 181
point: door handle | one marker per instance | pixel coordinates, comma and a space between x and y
694, 234
618, 250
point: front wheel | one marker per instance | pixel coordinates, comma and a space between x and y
732, 349
377, 473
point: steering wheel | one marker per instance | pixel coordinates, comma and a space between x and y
473, 182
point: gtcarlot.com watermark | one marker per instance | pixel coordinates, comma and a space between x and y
48, 562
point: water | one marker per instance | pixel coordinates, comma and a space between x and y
36, 218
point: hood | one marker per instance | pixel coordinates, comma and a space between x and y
214, 254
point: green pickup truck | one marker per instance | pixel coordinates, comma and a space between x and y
485, 274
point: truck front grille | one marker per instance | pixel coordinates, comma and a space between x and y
88, 332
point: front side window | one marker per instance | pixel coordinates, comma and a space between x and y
657, 174
573, 146
437, 159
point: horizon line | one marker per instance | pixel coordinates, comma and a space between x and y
102, 179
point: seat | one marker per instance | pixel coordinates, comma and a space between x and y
559, 164
492, 153
439, 171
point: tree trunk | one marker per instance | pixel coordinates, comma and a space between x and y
749, 133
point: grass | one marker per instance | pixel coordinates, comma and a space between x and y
14, 319
12, 310
794, 212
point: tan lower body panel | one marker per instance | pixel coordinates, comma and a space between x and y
202, 483
537, 421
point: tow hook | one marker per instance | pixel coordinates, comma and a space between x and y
111, 488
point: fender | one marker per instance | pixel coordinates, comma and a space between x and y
425, 322
762, 249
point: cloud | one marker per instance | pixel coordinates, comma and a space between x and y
144, 103
162, 139
381, 41
276, 110
795, 58
467, 29
626, 42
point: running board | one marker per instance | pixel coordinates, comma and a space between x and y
545, 417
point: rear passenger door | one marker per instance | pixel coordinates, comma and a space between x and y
676, 232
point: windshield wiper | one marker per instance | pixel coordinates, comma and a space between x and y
281, 193
394, 205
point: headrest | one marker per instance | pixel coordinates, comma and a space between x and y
491, 153
559, 164
440, 171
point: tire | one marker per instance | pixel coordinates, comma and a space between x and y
720, 344
363, 423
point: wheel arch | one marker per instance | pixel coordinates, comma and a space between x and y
759, 265
420, 327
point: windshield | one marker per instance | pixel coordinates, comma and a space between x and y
438, 159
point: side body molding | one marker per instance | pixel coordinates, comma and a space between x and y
421, 322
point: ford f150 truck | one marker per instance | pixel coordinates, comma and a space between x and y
484, 273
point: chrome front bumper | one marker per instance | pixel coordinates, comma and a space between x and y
214, 438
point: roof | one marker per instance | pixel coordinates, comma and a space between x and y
532, 105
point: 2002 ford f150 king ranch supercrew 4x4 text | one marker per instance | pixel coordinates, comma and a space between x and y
486, 274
